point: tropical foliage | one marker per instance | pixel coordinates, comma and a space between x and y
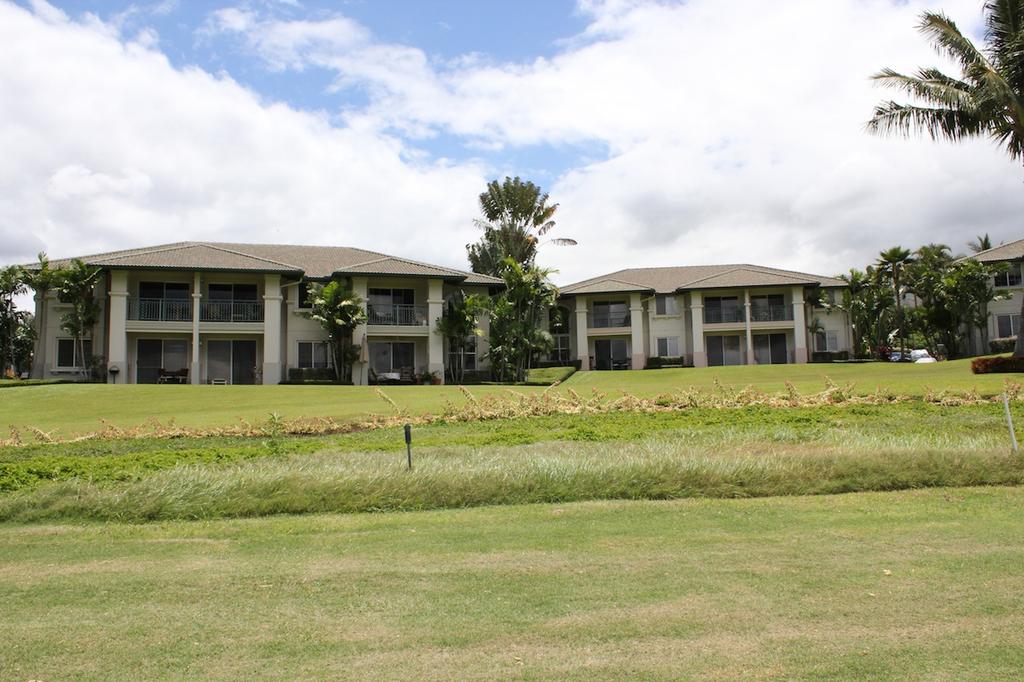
339, 310
42, 279
12, 284
457, 325
77, 284
947, 297
516, 214
986, 100
517, 336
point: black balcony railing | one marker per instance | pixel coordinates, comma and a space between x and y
231, 311
719, 315
771, 313
397, 315
606, 320
160, 309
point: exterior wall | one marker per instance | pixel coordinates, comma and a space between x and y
49, 314
691, 330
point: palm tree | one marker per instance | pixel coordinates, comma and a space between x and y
339, 310
457, 324
42, 279
986, 101
980, 243
77, 286
12, 283
516, 215
890, 267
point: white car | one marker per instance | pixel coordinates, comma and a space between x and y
921, 357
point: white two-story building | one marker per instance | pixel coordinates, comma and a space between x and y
200, 312
1004, 315
700, 315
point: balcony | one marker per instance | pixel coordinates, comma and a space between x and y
231, 311
403, 315
160, 309
772, 313
723, 315
608, 320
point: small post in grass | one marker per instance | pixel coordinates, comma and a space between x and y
1009, 422
408, 445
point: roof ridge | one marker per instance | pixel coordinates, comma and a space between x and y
128, 253
711, 276
1003, 245
212, 245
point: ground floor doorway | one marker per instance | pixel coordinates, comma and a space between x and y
611, 354
161, 361
724, 350
771, 349
231, 361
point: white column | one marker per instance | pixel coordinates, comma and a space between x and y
746, 317
435, 342
799, 326
582, 345
117, 335
197, 297
636, 329
361, 368
272, 329
700, 357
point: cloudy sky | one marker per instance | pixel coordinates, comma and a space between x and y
669, 132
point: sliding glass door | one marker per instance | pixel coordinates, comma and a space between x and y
770, 349
156, 357
724, 350
611, 354
231, 361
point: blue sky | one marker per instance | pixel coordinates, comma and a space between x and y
668, 132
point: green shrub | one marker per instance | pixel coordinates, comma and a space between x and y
545, 376
1004, 345
299, 375
997, 364
658, 363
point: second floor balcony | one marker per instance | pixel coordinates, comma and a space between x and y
180, 310
771, 313
399, 315
723, 315
605, 320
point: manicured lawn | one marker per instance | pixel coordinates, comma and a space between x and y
904, 378
922, 585
78, 408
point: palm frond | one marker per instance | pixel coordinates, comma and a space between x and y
929, 85
949, 124
948, 40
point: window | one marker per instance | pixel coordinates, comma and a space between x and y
314, 354
826, 341
558, 320
560, 352
233, 292
388, 297
769, 308
722, 309
305, 297
610, 314
392, 357
665, 305
1008, 325
1010, 278
168, 301
668, 347
68, 353
469, 355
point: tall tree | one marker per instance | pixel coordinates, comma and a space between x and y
516, 334
457, 324
339, 310
42, 279
77, 285
516, 215
890, 267
980, 243
12, 284
987, 100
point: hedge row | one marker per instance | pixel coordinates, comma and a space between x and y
997, 364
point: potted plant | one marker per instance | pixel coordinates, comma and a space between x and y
429, 377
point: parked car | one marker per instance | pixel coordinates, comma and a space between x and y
921, 356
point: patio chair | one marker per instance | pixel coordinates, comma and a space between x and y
406, 375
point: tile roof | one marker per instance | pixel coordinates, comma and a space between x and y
317, 262
1012, 251
689, 277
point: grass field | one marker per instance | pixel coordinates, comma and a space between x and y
912, 585
744, 452
78, 408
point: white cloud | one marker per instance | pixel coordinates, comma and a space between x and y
733, 133
107, 145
